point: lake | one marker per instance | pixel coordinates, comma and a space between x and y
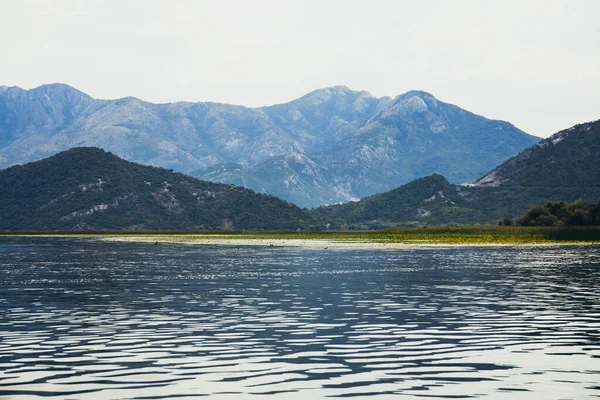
87, 319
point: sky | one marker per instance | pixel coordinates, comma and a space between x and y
533, 63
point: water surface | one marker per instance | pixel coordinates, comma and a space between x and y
89, 319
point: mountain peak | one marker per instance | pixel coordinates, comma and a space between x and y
59, 89
420, 93
417, 95
78, 157
339, 88
83, 151
331, 92
580, 129
55, 86
351, 144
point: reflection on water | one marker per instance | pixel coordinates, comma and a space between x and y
86, 319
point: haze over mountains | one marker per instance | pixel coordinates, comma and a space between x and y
87, 188
564, 167
331, 145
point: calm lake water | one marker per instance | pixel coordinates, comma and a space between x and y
88, 319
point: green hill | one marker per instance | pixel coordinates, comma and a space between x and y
564, 167
568, 159
431, 200
88, 188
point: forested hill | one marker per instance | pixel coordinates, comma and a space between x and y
564, 167
88, 188
569, 158
431, 200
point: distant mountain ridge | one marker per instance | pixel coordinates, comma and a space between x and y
563, 167
88, 188
331, 145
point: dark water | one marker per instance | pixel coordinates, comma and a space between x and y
87, 319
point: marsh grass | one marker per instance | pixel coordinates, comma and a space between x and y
479, 234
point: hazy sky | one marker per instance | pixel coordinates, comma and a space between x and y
533, 63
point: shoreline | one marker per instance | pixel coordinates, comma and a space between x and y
263, 242
399, 239
327, 244
322, 243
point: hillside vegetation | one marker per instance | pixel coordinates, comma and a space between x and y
559, 213
564, 167
87, 188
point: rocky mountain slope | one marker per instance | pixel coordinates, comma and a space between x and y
570, 158
564, 167
332, 145
87, 188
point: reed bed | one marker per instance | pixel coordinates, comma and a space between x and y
450, 235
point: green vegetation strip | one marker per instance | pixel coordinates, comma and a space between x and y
454, 235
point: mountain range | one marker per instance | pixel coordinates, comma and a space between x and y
564, 167
331, 145
88, 188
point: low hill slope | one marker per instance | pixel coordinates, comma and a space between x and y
569, 158
431, 200
88, 188
564, 167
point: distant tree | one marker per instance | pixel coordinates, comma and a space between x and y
578, 214
557, 208
559, 213
538, 216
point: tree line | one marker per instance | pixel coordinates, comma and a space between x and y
560, 213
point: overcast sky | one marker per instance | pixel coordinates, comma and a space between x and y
533, 63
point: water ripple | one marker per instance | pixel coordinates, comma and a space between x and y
87, 319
